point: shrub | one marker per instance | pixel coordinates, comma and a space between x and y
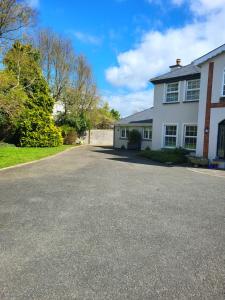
123, 147
134, 137
36, 129
175, 156
69, 135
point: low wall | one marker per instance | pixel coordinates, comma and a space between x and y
99, 137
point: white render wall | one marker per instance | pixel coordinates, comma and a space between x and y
175, 113
119, 142
202, 106
217, 114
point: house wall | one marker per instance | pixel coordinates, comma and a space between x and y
217, 114
119, 142
175, 113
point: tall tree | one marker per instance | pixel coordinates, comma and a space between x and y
14, 15
57, 60
36, 127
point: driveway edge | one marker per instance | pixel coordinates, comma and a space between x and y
41, 159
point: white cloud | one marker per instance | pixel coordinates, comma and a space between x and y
86, 38
157, 50
202, 7
33, 3
129, 103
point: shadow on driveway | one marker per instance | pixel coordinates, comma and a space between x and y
127, 156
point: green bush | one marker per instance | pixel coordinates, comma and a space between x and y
175, 156
69, 135
36, 129
134, 137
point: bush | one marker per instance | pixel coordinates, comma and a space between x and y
69, 135
36, 129
174, 156
134, 137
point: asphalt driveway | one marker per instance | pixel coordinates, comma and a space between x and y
92, 223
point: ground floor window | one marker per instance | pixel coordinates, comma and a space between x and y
124, 133
170, 136
190, 137
147, 133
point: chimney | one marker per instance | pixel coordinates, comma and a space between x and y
177, 65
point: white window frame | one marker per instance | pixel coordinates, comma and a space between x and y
223, 84
164, 136
165, 93
184, 136
123, 137
149, 129
196, 89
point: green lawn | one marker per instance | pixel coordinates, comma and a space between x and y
11, 155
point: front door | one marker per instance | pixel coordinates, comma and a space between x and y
221, 140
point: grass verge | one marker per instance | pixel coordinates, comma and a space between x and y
173, 156
11, 155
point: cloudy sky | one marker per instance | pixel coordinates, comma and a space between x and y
129, 41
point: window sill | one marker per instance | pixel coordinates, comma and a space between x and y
122, 138
167, 147
187, 101
171, 102
222, 99
147, 140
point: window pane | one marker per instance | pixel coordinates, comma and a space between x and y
172, 97
170, 141
146, 134
192, 95
190, 143
171, 130
172, 87
193, 84
191, 130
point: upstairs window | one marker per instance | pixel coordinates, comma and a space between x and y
223, 90
193, 90
172, 92
190, 137
124, 133
170, 136
147, 133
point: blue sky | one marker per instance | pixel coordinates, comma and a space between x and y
129, 41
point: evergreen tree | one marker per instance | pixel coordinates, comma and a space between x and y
36, 126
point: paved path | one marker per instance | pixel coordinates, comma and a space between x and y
96, 224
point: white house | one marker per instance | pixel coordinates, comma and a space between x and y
188, 111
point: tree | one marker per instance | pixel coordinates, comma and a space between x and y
115, 114
12, 99
80, 98
103, 118
35, 127
57, 61
14, 15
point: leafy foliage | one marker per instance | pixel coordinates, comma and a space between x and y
35, 127
69, 135
134, 137
175, 156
